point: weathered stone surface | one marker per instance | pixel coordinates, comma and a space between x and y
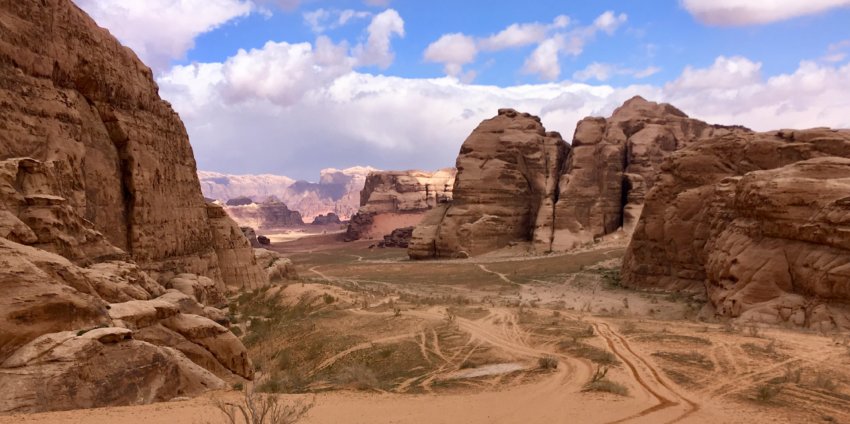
758, 220
400, 237
613, 163
204, 290
566, 196
267, 215
338, 190
99, 368
395, 199
329, 219
278, 268
507, 177
239, 268
99, 206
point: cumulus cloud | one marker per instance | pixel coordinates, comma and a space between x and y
456, 50
321, 20
177, 23
545, 60
382, 29
326, 113
749, 12
604, 71
453, 51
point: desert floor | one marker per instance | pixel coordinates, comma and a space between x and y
371, 337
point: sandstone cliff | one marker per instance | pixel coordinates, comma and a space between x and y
515, 185
757, 220
338, 190
265, 215
112, 264
396, 199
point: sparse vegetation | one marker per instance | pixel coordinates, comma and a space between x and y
358, 377
547, 363
767, 392
692, 359
263, 409
600, 383
593, 353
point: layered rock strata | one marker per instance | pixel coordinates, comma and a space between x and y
759, 221
565, 196
394, 199
113, 267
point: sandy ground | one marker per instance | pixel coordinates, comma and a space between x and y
676, 368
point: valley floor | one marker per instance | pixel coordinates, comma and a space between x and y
374, 338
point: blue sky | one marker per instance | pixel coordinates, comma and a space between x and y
290, 87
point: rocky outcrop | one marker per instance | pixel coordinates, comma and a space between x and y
567, 196
757, 220
100, 211
613, 163
329, 219
400, 237
338, 190
393, 199
267, 215
278, 268
507, 179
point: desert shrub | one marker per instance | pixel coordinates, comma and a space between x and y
825, 381
792, 374
263, 409
236, 331
767, 392
593, 353
547, 362
328, 298
600, 383
357, 377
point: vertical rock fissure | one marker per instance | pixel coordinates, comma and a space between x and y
562, 165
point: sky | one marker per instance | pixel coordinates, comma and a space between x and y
290, 87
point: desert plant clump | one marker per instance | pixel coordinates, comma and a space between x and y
358, 377
254, 408
767, 392
600, 383
547, 362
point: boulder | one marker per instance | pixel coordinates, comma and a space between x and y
400, 237
278, 268
329, 219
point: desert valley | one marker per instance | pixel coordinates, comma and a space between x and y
647, 267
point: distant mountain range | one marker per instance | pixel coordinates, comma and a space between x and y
337, 191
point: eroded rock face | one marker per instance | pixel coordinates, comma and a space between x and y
100, 209
613, 163
338, 190
565, 196
329, 219
265, 215
758, 221
507, 176
395, 199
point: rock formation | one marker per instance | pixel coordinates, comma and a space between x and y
507, 181
400, 237
393, 199
267, 215
329, 219
338, 190
112, 264
515, 185
757, 220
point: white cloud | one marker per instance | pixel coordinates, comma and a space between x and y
177, 23
837, 52
605, 71
453, 51
609, 22
724, 73
545, 59
754, 12
306, 109
518, 35
382, 29
321, 20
